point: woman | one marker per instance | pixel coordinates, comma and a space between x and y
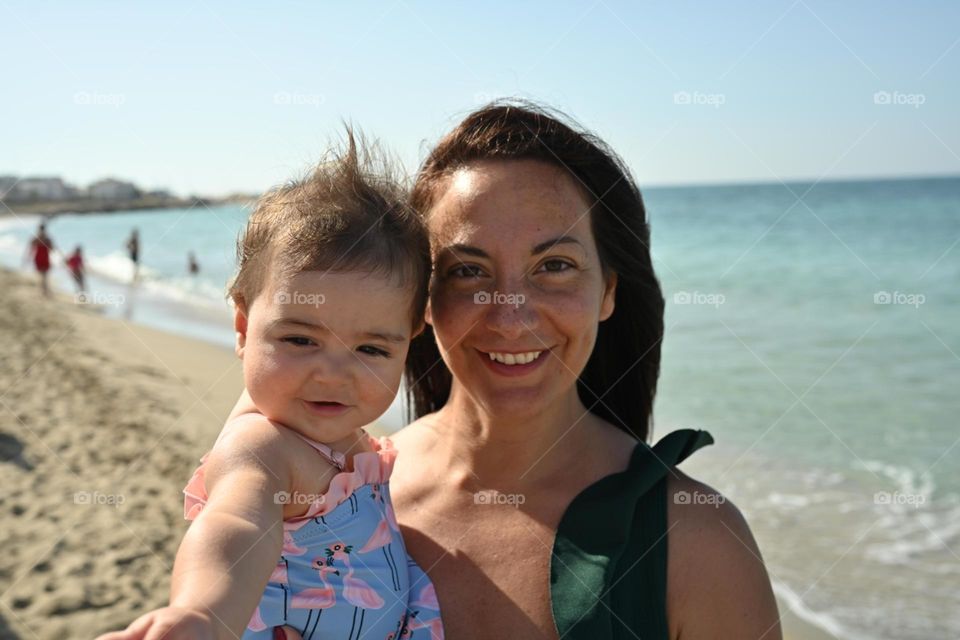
524, 486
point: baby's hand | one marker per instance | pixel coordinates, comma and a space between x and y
169, 623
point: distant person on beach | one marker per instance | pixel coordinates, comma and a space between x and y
292, 517
133, 250
75, 265
193, 267
39, 250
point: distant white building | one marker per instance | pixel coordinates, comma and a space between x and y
40, 188
6, 183
110, 189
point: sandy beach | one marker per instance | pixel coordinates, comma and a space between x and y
102, 424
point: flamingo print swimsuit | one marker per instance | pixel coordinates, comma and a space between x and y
344, 572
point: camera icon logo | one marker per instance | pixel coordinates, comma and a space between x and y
482, 297
681, 497
882, 297
281, 497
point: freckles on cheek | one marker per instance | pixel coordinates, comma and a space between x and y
451, 309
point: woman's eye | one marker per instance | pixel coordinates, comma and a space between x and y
299, 341
557, 266
373, 351
466, 271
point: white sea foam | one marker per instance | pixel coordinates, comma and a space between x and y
819, 619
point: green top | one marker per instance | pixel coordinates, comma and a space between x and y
608, 573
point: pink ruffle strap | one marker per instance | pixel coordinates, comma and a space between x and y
369, 467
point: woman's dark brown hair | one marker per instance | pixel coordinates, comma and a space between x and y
619, 382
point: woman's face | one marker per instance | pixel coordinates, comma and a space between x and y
518, 290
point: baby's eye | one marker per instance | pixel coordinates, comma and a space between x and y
300, 341
373, 351
466, 271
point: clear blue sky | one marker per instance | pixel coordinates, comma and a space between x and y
211, 97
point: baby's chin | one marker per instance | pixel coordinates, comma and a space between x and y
321, 429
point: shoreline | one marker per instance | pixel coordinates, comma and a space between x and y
105, 421
51, 208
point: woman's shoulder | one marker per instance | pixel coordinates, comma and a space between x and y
417, 436
715, 569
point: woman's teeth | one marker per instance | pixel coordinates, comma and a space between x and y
515, 358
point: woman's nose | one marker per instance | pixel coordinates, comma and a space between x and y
510, 314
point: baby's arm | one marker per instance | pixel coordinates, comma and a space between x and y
226, 556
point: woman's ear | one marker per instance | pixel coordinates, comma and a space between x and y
417, 331
240, 326
609, 295
427, 315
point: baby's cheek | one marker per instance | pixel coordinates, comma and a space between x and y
379, 387
266, 376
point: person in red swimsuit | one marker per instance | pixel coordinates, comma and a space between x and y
40, 249
75, 264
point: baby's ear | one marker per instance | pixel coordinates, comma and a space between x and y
240, 326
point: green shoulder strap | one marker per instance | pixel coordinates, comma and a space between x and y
595, 530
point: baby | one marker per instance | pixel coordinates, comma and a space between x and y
292, 520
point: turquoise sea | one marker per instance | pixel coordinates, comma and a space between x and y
813, 329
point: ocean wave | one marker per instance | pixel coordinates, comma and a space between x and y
907, 481
820, 619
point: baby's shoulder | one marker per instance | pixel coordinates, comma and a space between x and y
252, 441
251, 437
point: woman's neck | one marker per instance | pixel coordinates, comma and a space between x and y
514, 449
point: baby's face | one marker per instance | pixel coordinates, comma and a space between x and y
323, 352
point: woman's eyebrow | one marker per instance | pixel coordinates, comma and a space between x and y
467, 249
540, 248
549, 244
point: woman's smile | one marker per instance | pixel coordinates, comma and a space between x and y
515, 363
